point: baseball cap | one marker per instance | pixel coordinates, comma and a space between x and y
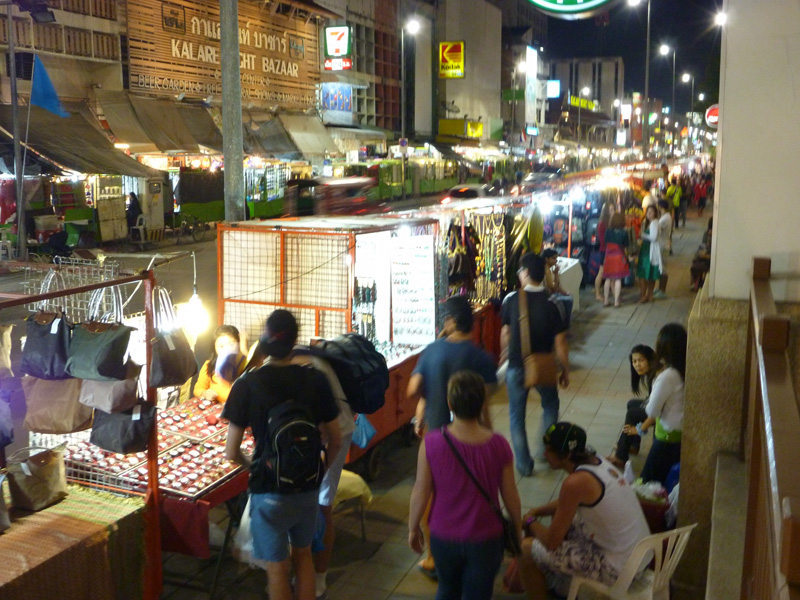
565, 437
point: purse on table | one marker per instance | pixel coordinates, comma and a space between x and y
47, 337
99, 347
540, 367
36, 477
124, 432
511, 535
173, 362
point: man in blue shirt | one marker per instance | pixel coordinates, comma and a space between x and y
452, 352
548, 333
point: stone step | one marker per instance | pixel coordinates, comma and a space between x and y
729, 512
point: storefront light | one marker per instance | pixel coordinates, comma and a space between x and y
120, 146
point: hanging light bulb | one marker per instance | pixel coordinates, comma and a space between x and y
194, 316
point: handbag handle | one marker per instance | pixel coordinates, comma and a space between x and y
53, 277
164, 310
483, 492
524, 327
13, 458
115, 315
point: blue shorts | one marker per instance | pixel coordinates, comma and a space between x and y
330, 483
277, 520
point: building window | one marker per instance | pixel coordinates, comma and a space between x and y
104, 9
24, 62
82, 7
106, 46
78, 42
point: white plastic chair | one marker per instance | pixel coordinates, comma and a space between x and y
6, 247
652, 584
141, 227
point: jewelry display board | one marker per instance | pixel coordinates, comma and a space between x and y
413, 290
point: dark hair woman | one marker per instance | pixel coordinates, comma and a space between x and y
643, 366
466, 537
665, 405
615, 264
223, 367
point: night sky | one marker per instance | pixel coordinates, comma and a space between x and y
687, 25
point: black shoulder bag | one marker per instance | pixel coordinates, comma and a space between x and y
511, 536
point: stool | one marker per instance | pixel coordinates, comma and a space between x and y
6, 247
354, 490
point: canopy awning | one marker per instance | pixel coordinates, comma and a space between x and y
309, 135
163, 124
353, 138
73, 142
265, 136
450, 154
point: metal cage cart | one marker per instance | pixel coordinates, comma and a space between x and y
378, 277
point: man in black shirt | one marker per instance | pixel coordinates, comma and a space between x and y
547, 330
277, 519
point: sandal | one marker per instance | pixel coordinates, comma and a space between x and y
430, 573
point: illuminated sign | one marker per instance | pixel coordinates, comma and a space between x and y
572, 9
337, 96
712, 116
451, 60
531, 130
338, 41
584, 103
553, 88
338, 64
461, 128
474, 129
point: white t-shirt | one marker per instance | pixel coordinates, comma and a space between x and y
666, 400
648, 201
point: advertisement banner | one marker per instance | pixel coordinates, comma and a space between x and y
451, 60
337, 96
531, 84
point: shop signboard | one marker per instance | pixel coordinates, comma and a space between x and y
451, 60
573, 9
338, 48
712, 116
582, 102
175, 50
553, 88
337, 96
413, 290
531, 84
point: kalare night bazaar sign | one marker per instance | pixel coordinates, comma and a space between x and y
573, 9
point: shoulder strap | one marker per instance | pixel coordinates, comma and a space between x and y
524, 325
494, 506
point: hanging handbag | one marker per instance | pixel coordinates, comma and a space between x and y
36, 477
5, 520
124, 432
6, 424
113, 396
47, 337
540, 367
99, 347
173, 362
53, 406
511, 535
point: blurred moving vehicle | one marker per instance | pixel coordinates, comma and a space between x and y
331, 196
543, 176
469, 191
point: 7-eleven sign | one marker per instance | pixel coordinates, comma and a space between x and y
338, 41
451, 60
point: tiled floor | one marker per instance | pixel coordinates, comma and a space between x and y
383, 567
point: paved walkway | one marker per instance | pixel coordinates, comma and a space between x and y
383, 567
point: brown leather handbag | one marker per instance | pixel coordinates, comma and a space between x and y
540, 367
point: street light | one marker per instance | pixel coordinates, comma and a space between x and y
721, 19
413, 27
665, 50
521, 67
701, 96
585, 91
646, 105
686, 78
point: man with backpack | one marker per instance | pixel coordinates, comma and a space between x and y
293, 415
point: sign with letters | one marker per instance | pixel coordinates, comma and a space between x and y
451, 60
175, 49
573, 9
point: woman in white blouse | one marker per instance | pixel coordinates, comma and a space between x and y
665, 405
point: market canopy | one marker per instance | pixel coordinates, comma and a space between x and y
288, 137
163, 124
309, 135
72, 142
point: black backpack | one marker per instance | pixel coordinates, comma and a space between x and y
292, 458
360, 368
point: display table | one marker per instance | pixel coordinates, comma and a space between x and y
89, 545
570, 272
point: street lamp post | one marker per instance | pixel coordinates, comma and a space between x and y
664, 51
584, 91
413, 27
646, 103
519, 68
686, 78
22, 239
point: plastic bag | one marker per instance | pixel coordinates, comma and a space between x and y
364, 432
243, 541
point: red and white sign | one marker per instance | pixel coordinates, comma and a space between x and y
712, 116
338, 64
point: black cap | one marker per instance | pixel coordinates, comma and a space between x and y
566, 438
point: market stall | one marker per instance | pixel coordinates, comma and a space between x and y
374, 276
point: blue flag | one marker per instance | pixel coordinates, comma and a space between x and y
43, 94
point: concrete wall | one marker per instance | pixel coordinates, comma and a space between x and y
604, 76
758, 146
479, 25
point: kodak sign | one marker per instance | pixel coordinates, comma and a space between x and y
451, 60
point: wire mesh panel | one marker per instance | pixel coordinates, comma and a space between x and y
316, 270
251, 318
332, 323
252, 265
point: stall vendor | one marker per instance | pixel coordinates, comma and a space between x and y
225, 365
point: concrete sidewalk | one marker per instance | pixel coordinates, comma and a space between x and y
383, 567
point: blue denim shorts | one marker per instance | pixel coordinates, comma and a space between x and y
277, 520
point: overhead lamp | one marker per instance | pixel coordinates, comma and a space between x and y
39, 10
686, 78
412, 27
721, 19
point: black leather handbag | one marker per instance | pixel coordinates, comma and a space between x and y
48, 336
124, 432
173, 362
